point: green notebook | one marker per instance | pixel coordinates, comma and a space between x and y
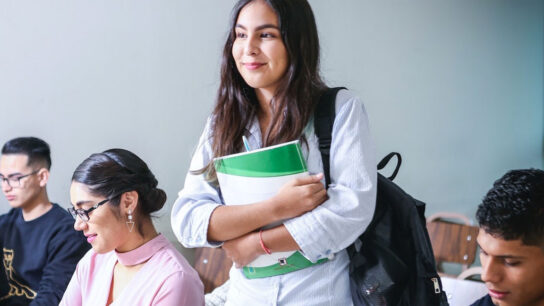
257, 175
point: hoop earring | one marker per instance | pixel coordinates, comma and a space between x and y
130, 222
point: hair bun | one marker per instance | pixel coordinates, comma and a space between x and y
152, 180
156, 198
115, 171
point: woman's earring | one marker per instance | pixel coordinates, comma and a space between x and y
130, 222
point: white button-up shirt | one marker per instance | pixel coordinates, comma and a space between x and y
326, 230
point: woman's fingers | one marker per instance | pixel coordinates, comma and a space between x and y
299, 196
310, 179
316, 187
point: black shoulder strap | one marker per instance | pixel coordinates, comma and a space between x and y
323, 122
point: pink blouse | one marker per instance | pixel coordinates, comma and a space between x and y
165, 279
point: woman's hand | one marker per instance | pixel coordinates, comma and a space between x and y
296, 197
299, 196
244, 249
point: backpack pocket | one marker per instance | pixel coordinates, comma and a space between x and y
377, 275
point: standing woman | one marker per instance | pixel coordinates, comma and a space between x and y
114, 194
270, 85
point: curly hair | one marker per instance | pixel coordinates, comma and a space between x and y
514, 207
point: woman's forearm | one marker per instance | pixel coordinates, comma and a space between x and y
296, 197
228, 222
246, 248
278, 239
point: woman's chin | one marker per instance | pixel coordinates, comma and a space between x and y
100, 250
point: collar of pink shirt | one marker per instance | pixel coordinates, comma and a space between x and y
142, 253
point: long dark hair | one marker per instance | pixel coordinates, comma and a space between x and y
113, 172
298, 90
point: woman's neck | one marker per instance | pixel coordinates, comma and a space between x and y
123, 274
264, 97
265, 109
136, 240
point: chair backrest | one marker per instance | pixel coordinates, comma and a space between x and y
452, 242
463, 290
212, 266
471, 273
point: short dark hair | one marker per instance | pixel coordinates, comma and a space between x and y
514, 207
36, 149
115, 171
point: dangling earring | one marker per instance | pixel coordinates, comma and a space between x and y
130, 223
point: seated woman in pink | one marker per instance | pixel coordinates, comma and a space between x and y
113, 194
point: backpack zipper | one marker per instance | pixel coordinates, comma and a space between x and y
436, 285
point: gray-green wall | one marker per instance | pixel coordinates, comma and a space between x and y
455, 86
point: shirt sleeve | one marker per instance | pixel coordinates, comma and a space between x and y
64, 251
4, 288
2, 229
196, 201
337, 223
180, 289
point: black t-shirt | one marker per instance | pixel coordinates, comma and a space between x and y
38, 256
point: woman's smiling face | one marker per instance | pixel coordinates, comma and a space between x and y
258, 50
105, 230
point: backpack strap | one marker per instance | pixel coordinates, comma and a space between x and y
323, 122
386, 160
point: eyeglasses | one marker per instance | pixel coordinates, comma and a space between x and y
15, 181
84, 213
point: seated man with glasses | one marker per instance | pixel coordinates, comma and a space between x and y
39, 246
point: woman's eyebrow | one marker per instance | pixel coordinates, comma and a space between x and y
80, 203
261, 27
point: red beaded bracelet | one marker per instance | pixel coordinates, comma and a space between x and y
266, 250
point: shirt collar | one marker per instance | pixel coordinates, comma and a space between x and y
142, 253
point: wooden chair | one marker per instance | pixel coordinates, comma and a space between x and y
212, 266
452, 242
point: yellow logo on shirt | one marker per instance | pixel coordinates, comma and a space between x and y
15, 287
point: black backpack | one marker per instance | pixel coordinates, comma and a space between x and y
392, 262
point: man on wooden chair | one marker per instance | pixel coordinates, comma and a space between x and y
511, 239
